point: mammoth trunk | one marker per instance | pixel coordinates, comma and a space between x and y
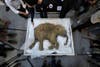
32, 45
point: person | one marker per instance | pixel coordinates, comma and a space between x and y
53, 61
43, 8
30, 7
92, 2
30, 4
84, 19
66, 6
86, 4
76, 5
95, 18
7, 8
45, 64
59, 63
15, 6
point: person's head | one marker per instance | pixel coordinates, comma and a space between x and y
95, 18
45, 61
58, 61
53, 57
92, 2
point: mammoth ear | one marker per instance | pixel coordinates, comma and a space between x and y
59, 27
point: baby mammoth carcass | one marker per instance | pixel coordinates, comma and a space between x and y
49, 32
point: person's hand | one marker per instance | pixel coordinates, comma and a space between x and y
92, 2
30, 6
40, 1
24, 13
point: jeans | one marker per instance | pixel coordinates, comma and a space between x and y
66, 6
43, 8
31, 12
43, 11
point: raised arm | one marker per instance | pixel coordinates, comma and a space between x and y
8, 3
23, 4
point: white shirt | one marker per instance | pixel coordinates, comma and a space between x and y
14, 5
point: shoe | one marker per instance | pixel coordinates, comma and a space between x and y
25, 17
7, 8
12, 41
12, 35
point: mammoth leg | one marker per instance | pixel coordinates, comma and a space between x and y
52, 41
52, 46
33, 44
56, 45
41, 45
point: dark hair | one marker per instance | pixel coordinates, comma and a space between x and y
31, 2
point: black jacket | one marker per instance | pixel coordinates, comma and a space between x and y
31, 2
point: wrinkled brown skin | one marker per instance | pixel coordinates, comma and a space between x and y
49, 32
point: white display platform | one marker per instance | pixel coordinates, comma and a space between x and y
67, 49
